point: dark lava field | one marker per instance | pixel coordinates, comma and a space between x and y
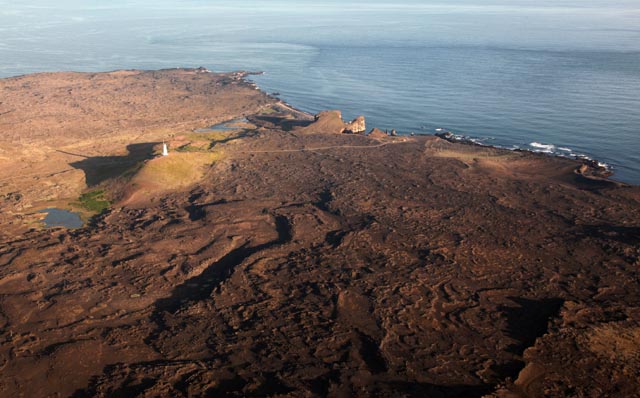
308, 263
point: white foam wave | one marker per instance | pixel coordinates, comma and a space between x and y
539, 147
546, 147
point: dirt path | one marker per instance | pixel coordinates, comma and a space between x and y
327, 148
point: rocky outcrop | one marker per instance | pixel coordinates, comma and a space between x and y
331, 122
357, 126
377, 133
333, 114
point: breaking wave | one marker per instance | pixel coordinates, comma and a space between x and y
546, 148
539, 147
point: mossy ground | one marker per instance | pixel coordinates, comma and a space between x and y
268, 111
94, 201
208, 136
207, 142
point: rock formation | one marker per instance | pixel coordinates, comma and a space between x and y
330, 122
333, 114
377, 133
357, 126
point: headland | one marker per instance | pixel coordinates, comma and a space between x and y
296, 256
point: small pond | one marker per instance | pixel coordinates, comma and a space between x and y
61, 218
225, 126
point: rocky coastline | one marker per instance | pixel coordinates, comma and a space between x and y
293, 255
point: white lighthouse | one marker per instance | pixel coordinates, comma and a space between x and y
165, 150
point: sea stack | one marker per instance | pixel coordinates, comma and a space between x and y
356, 126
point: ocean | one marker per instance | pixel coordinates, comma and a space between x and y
556, 76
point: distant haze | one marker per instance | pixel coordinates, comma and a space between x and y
561, 73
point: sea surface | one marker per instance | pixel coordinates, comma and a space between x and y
557, 76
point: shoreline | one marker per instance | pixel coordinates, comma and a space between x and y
597, 169
594, 168
601, 169
372, 258
604, 170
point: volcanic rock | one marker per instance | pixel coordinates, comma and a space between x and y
64, 133
377, 133
326, 122
330, 122
357, 126
312, 265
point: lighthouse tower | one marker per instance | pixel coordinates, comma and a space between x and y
165, 151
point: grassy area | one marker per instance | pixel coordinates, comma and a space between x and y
268, 111
94, 201
205, 142
209, 136
190, 148
185, 166
175, 171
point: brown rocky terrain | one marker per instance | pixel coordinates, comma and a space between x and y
307, 263
61, 133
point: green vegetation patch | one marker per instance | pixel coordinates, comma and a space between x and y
268, 111
94, 201
205, 142
190, 148
209, 136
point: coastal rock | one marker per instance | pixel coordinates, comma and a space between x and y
328, 122
593, 169
333, 114
357, 126
377, 133
447, 135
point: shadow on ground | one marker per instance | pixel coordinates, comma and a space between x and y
278, 121
101, 168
